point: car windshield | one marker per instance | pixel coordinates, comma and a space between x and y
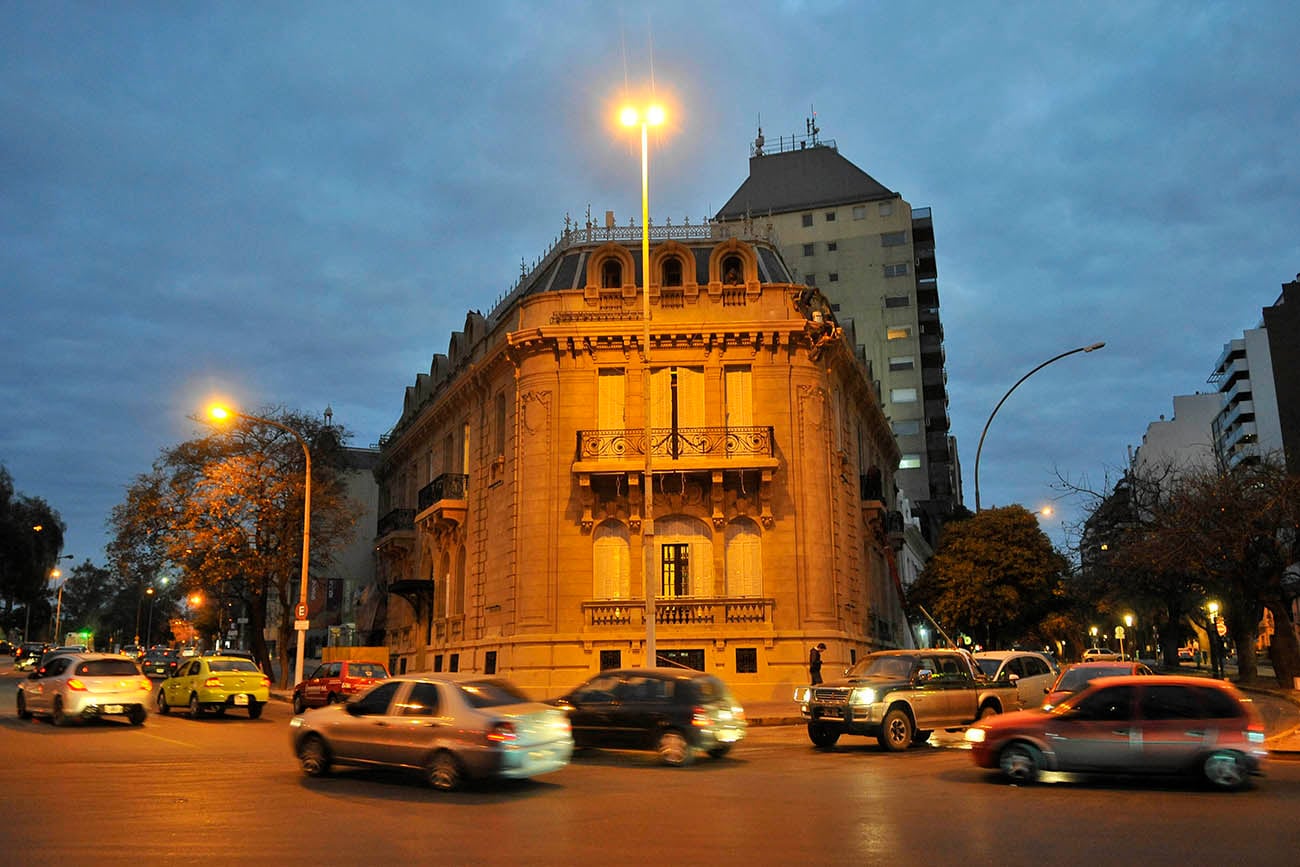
1077, 678
491, 693
883, 666
231, 665
367, 669
107, 668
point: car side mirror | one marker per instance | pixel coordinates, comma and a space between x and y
1013, 677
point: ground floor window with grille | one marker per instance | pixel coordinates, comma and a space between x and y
688, 658
611, 659
746, 660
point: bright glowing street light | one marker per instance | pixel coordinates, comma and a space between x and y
221, 413
979, 448
651, 115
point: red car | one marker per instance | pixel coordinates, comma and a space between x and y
336, 681
1074, 678
1135, 724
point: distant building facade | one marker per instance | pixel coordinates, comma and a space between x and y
873, 255
513, 526
1183, 442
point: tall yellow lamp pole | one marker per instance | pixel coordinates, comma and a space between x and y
221, 413
651, 115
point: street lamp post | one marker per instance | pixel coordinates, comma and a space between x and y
1128, 626
652, 115
221, 413
979, 448
148, 639
27, 615
58, 608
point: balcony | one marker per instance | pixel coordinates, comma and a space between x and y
395, 533
442, 502
676, 450
712, 611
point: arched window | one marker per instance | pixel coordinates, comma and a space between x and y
457, 604
685, 556
733, 271
744, 558
611, 274
672, 271
611, 556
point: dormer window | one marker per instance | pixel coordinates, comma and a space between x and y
672, 271
611, 274
732, 271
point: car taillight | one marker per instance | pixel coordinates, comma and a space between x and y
212, 681
700, 717
266, 681
143, 683
502, 733
77, 685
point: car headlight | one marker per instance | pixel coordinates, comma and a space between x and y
862, 695
976, 735
802, 693
296, 722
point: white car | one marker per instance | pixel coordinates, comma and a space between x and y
79, 686
1031, 672
1100, 654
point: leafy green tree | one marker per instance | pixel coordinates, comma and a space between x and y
224, 512
995, 576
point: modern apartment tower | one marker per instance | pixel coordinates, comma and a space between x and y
872, 254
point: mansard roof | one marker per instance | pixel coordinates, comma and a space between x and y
800, 179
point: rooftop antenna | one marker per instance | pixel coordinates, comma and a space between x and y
758, 142
811, 125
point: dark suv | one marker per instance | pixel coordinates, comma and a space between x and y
672, 711
160, 663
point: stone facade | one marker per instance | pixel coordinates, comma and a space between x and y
512, 488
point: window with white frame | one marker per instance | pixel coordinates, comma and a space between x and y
897, 270
909, 462
901, 362
902, 395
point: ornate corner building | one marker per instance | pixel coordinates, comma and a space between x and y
513, 487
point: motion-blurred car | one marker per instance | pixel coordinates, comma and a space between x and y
79, 686
28, 654
160, 663
215, 683
337, 681
7, 648
1130, 725
1031, 672
1074, 678
1100, 654
674, 712
451, 727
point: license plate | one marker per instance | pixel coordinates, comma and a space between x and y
112, 708
241, 700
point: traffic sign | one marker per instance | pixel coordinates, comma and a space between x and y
1119, 631
1221, 626
300, 611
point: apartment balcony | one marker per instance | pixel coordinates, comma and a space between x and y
395, 533
679, 611
442, 502
676, 450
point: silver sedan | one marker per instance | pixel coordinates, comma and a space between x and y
450, 727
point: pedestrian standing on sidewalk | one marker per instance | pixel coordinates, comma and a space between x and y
815, 663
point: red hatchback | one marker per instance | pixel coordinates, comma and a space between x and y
336, 681
1134, 724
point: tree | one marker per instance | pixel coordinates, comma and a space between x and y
995, 575
225, 513
31, 537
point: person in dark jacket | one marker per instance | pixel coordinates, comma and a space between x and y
815, 663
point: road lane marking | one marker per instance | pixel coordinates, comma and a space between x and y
170, 740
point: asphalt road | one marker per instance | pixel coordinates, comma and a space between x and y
227, 790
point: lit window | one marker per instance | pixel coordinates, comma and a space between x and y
898, 332
902, 395
910, 462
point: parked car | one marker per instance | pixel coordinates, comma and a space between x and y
1031, 672
451, 727
70, 687
332, 682
133, 651
1186, 654
674, 712
160, 663
1100, 654
1074, 678
1130, 725
215, 683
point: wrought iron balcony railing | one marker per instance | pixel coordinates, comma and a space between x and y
448, 486
396, 521
675, 444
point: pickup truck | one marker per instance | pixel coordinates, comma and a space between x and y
901, 696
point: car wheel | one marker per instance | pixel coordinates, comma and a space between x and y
58, 717
719, 752
332, 699
896, 730
23, 712
1225, 770
1020, 762
299, 704
136, 715
314, 757
822, 736
163, 707
987, 711
921, 736
195, 707
674, 750
444, 772
254, 709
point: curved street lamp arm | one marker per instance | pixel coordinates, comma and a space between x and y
983, 433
